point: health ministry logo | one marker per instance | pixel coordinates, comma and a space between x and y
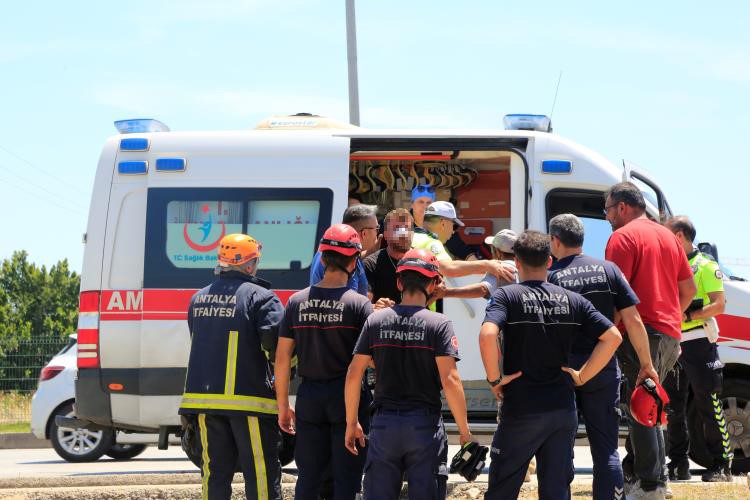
205, 229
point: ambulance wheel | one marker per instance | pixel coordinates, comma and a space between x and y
78, 445
736, 399
125, 451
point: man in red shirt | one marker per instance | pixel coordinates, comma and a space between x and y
653, 261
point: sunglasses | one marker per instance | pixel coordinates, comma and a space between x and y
424, 189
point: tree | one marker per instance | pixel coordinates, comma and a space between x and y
35, 304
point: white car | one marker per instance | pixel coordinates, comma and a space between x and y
55, 396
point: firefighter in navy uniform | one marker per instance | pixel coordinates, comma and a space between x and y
232, 322
323, 323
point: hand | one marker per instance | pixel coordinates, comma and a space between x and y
287, 419
502, 270
646, 372
684, 317
574, 374
353, 436
382, 303
465, 438
438, 292
498, 389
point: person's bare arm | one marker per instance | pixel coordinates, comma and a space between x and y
454, 394
716, 307
352, 387
282, 372
602, 353
687, 291
473, 291
490, 351
638, 336
457, 268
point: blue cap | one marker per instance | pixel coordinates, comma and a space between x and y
423, 191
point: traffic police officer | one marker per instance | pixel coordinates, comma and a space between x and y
414, 351
699, 366
229, 387
323, 322
602, 283
538, 321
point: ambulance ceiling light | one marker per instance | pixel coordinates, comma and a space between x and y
557, 166
140, 125
540, 123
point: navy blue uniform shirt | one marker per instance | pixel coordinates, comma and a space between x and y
600, 281
538, 322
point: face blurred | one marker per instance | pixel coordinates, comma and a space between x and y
398, 234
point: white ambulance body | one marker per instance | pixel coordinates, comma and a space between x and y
162, 201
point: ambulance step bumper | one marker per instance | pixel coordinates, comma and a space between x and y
77, 423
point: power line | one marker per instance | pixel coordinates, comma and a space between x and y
42, 199
27, 162
36, 186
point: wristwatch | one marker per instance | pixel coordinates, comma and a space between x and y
495, 382
689, 315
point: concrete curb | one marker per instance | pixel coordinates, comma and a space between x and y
22, 440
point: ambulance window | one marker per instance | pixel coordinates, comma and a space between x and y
588, 206
287, 229
194, 229
648, 192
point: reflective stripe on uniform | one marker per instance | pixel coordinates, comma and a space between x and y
258, 458
229, 402
231, 370
204, 452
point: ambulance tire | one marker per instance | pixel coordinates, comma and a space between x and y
125, 451
737, 414
78, 445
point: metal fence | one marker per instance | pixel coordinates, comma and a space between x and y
19, 376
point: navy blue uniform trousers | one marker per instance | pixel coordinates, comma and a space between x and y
599, 402
321, 425
518, 438
411, 442
250, 441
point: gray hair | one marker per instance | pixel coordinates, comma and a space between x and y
356, 213
568, 229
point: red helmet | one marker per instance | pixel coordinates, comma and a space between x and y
341, 238
421, 261
648, 402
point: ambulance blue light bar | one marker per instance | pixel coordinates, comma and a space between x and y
134, 144
140, 125
132, 167
540, 123
170, 164
557, 166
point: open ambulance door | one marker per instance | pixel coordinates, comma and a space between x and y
656, 202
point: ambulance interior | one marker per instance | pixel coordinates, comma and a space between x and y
478, 183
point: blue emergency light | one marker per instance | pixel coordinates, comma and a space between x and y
134, 144
557, 166
132, 167
540, 123
137, 125
170, 164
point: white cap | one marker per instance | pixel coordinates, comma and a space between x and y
503, 240
443, 209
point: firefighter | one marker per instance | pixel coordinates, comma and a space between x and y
323, 322
233, 323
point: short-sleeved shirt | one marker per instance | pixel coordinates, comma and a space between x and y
601, 282
425, 241
493, 283
404, 342
708, 279
324, 324
538, 322
357, 281
653, 262
380, 269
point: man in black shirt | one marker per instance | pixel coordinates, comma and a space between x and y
380, 267
323, 322
602, 283
415, 352
539, 322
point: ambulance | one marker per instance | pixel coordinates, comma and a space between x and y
162, 200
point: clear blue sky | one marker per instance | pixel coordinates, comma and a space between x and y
665, 85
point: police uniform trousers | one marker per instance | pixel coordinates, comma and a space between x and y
250, 443
411, 443
321, 427
699, 369
646, 458
549, 436
599, 403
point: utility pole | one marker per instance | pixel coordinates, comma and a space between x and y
351, 56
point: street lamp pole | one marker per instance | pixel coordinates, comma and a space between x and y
351, 56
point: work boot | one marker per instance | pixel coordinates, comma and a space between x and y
719, 473
679, 470
638, 493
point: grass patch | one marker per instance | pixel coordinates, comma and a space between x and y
15, 407
16, 427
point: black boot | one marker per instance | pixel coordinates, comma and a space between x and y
719, 473
679, 470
